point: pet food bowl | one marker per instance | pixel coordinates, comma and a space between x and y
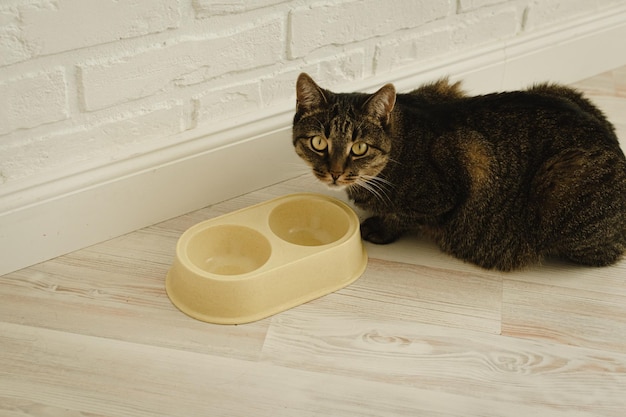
264, 259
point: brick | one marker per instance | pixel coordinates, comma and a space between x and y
465, 5
540, 14
33, 100
227, 103
422, 45
210, 8
12, 48
281, 87
484, 26
97, 143
455, 33
179, 63
342, 23
8, 15
329, 72
53, 26
602, 4
343, 68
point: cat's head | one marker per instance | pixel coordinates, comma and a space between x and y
343, 137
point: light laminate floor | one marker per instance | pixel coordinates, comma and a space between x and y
93, 333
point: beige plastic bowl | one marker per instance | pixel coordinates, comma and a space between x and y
255, 262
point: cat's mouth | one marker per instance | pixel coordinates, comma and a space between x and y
337, 181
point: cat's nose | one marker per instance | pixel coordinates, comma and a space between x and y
335, 176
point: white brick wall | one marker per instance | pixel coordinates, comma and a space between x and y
48, 27
33, 99
87, 82
460, 32
346, 22
129, 133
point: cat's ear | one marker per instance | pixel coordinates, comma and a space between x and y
380, 104
309, 96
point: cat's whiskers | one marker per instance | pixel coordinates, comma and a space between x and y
377, 186
377, 178
372, 190
394, 161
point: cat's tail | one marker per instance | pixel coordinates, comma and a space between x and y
581, 195
575, 97
440, 90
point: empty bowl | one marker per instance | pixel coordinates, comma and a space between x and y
264, 259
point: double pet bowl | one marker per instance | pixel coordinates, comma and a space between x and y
258, 261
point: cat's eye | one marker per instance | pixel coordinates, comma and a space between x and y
359, 148
319, 143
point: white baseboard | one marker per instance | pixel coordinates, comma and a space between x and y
43, 221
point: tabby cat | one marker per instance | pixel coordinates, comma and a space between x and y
501, 180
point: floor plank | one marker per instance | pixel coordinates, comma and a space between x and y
564, 315
425, 295
93, 376
462, 363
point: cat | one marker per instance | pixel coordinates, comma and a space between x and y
502, 180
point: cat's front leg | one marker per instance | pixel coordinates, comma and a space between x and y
380, 230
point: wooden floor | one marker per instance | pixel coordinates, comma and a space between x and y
93, 333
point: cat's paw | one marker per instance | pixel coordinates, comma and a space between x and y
374, 230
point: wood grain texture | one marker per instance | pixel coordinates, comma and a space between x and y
93, 333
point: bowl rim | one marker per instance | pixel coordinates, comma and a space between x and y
181, 253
